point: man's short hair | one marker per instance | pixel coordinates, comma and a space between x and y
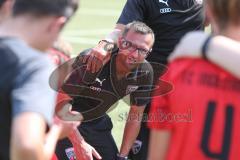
138, 27
40, 8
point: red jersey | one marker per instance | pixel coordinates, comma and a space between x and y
202, 112
54, 157
59, 58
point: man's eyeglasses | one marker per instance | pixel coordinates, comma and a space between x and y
127, 45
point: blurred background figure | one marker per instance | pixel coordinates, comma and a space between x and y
208, 93
61, 51
59, 54
5, 9
27, 101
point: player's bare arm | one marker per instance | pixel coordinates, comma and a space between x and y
27, 140
132, 128
58, 130
26, 143
221, 50
159, 141
83, 150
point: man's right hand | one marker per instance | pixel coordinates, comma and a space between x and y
97, 57
86, 152
100, 55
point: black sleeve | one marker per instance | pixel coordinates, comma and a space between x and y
142, 95
134, 10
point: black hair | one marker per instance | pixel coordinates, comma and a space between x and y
45, 7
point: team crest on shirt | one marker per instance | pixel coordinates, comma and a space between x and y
70, 153
131, 88
136, 146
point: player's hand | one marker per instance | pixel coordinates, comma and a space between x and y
86, 152
66, 127
189, 46
96, 58
66, 113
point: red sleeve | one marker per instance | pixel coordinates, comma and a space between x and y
62, 99
54, 157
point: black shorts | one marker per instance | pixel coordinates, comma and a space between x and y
98, 134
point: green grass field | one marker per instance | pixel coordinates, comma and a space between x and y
94, 19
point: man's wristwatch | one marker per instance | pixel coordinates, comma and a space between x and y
107, 46
119, 157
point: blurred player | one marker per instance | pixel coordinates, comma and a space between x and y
26, 100
5, 9
221, 50
59, 54
128, 73
208, 93
170, 20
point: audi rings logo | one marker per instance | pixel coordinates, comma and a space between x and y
165, 10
